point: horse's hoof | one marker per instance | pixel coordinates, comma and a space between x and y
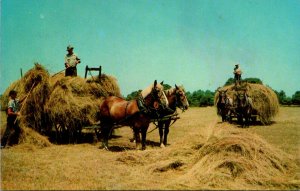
162, 145
104, 147
143, 148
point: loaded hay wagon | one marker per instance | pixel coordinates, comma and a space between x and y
264, 101
64, 104
74, 101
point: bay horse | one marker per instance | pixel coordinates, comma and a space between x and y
176, 98
244, 108
135, 113
224, 105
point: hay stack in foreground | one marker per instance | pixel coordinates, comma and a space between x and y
35, 86
235, 159
265, 101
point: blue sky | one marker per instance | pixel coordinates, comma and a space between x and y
194, 43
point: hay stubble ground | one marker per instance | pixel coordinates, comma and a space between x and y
85, 166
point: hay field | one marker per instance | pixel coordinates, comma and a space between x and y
203, 154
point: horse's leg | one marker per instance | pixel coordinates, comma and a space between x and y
232, 113
248, 116
240, 119
56, 133
223, 117
71, 135
64, 134
161, 133
137, 138
167, 125
133, 136
224, 114
105, 130
79, 135
245, 119
144, 134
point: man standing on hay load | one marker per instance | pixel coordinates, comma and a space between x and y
71, 61
12, 114
237, 74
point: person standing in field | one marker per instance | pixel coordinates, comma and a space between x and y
71, 61
237, 74
13, 111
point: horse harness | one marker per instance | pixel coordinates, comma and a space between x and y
173, 116
143, 108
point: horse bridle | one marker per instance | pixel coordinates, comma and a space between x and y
148, 109
178, 97
242, 99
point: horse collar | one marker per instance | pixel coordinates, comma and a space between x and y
141, 105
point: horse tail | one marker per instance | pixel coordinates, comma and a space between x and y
102, 102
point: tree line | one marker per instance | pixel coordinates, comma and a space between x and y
203, 98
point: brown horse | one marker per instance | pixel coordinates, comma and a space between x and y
176, 98
244, 108
224, 105
134, 113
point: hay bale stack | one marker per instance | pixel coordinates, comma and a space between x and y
74, 101
36, 80
235, 159
68, 101
265, 101
35, 87
104, 86
71, 103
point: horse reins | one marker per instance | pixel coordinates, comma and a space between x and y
174, 114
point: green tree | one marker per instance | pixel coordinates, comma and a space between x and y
253, 80
229, 82
133, 95
282, 98
249, 80
167, 86
200, 98
296, 98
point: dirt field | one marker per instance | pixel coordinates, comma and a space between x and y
178, 166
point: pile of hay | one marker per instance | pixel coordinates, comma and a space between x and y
265, 101
74, 101
34, 87
71, 102
235, 159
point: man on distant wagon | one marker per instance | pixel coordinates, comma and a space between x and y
237, 74
71, 61
13, 111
